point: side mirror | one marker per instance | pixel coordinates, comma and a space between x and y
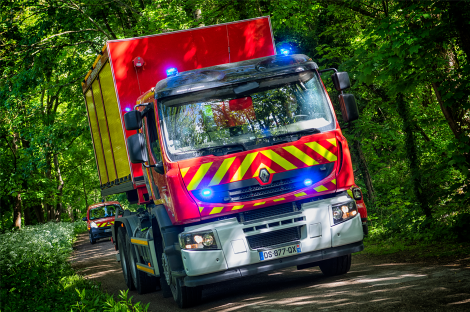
84, 219
348, 106
159, 167
133, 120
137, 149
340, 80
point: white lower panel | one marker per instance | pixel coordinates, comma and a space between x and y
199, 262
347, 232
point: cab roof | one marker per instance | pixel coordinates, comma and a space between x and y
232, 73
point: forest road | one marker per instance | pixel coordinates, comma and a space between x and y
370, 285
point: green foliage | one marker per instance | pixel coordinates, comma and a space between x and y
411, 157
36, 274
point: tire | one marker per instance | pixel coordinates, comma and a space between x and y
365, 229
336, 266
184, 296
166, 291
122, 238
143, 282
92, 241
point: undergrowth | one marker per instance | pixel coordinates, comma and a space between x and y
36, 274
439, 239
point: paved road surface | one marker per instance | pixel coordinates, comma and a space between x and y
371, 285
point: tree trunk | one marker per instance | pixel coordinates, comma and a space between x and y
47, 206
412, 155
27, 215
70, 212
17, 211
364, 171
37, 208
84, 192
459, 11
60, 189
446, 110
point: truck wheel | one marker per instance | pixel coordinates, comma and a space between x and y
166, 291
92, 241
143, 282
365, 229
184, 296
336, 266
122, 238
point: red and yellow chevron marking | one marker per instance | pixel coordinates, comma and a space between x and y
328, 185
107, 223
304, 153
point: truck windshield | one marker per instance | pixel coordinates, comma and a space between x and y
272, 108
102, 212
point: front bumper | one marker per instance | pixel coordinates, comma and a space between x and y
101, 232
302, 258
242, 241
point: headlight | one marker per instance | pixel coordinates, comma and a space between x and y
343, 212
199, 240
93, 224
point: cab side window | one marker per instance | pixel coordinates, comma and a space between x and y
153, 135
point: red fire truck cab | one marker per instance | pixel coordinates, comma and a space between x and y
100, 217
245, 165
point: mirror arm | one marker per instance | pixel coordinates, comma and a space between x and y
143, 104
327, 70
149, 166
146, 109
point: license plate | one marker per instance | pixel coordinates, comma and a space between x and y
107, 230
279, 252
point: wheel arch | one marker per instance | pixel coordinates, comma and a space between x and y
130, 223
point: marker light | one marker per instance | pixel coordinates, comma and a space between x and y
285, 51
127, 109
206, 192
171, 72
308, 182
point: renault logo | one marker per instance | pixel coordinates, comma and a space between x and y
264, 175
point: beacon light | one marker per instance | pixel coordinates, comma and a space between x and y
285, 52
170, 72
206, 192
127, 109
308, 182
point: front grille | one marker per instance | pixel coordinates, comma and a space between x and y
267, 212
274, 238
262, 191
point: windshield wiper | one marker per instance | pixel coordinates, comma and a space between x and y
300, 132
203, 149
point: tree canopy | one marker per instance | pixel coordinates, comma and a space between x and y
409, 62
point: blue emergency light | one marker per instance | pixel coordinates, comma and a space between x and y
170, 72
285, 51
206, 192
127, 109
308, 182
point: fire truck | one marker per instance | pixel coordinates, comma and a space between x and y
234, 149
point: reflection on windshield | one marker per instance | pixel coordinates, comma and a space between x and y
211, 122
102, 212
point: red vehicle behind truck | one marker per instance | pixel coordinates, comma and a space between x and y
243, 160
100, 217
